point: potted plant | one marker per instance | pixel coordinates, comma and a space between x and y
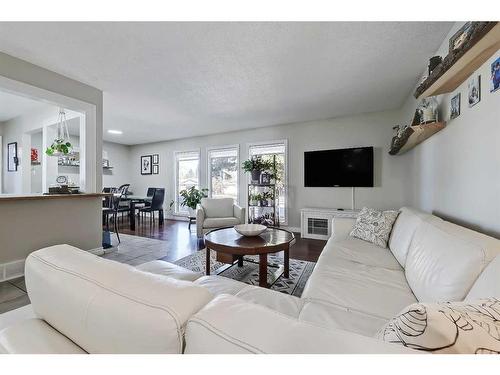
191, 197
59, 147
255, 166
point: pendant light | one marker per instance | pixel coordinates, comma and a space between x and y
61, 146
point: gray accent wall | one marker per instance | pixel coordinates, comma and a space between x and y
392, 181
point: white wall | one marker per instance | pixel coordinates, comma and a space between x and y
375, 129
456, 173
119, 159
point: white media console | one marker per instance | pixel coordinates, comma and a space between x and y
316, 223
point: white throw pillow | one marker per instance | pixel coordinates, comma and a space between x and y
374, 226
450, 327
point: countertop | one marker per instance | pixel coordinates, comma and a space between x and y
25, 197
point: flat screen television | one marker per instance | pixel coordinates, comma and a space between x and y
349, 167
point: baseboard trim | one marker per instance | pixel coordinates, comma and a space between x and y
11, 270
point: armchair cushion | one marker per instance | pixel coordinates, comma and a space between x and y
217, 207
219, 222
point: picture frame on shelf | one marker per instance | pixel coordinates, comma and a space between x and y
474, 90
460, 37
156, 169
265, 178
146, 164
156, 159
12, 159
455, 106
495, 75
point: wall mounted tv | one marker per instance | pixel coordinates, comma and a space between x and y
349, 167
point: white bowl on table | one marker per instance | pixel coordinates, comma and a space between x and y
250, 230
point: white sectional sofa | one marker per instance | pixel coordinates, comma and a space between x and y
82, 303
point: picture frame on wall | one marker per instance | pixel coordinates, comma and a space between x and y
12, 159
146, 164
156, 169
495, 75
156, 159
455, 106
474, 90
460, 37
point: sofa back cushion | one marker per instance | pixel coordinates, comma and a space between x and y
488, 283
440, 266
403, 230
108, 307
220, 207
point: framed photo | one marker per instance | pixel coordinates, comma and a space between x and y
455, 106
12, 160
474, 90
156, 159
460, 37
146, 164
156, 168
495, 75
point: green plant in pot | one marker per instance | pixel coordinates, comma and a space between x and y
256, 165
191, 197
59, 147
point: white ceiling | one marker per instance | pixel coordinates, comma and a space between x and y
172, 80
14, 105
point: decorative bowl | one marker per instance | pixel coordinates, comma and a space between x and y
250, 230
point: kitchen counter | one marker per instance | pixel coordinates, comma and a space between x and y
25, 197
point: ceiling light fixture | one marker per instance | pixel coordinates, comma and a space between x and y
115, 132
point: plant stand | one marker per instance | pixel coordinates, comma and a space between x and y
259, 213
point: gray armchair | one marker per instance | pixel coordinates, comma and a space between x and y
214, 213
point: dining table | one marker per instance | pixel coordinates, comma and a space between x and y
133, 200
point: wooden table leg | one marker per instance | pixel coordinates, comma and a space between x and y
240, 261
286, 272
207, 268
161, 219
263, 270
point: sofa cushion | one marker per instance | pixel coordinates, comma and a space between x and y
403, 230
108, 307
374, 226
377, 291
221, 207
488, 282
160, 267
281, 302
335, 316
456, 327
219, 222
360, 251
441, 267
220, 284
34, 336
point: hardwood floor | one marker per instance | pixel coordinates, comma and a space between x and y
183, 242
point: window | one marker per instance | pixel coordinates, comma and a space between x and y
187, 174
223, 172
269, 150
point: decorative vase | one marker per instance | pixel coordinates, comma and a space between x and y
191, 212
255, 176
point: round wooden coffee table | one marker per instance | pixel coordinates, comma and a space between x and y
228, 241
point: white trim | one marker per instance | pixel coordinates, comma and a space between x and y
209, 177
1, 164
176, 174
11, 270
277, 141
92, 159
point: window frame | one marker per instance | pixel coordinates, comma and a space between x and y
209, 175
177, 207
270, 143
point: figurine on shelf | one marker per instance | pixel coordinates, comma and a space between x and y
428, 110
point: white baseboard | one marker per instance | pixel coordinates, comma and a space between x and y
11, 270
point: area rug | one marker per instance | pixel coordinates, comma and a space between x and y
300, 270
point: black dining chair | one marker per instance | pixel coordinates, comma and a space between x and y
124, 206
156, 204
112, 211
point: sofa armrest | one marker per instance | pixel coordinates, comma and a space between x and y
200, 218
341, 227
229, 324
239, 212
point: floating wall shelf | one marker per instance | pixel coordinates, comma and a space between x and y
457, 67
413, 136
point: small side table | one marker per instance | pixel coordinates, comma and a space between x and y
192, 220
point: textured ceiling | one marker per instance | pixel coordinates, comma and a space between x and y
14, 105
173, 80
